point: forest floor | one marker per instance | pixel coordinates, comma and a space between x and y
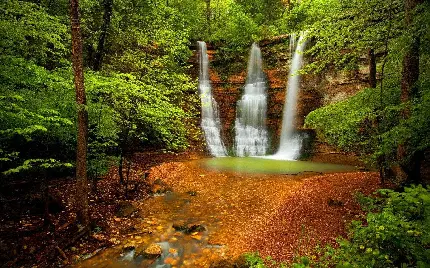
226, 214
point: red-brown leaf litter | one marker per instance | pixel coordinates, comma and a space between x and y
278, 215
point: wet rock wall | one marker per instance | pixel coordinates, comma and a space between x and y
315, 90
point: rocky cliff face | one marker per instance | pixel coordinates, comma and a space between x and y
315, 90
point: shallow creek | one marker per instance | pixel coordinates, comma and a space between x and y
178, 248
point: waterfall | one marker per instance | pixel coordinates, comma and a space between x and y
292, 46
289, 145
210, 124
250, 124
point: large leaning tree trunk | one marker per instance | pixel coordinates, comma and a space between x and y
410, 164
82, 138
101, 46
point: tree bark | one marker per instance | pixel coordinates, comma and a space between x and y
98, 59
411, 60
409, 161
372, 68
82, 135
127, 177
45, 188
121, 161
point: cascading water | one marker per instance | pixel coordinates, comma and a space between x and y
292, 46
210, 124
289, 145
250, 126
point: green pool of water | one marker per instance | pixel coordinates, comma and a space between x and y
271, 166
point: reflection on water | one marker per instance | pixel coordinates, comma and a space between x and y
271, 166
187, 247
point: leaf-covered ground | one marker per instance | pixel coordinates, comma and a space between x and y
278, 215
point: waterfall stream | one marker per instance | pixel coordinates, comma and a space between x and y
250, 125
210, 124
290, 143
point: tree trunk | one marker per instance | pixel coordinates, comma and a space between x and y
104, 32
82, 137
46, 217
127, 177
121, 161
372, 68
410, 75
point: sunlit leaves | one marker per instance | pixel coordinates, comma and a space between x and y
27, 31
396, 234
143, 110
37, 163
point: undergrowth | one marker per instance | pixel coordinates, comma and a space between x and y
395, 233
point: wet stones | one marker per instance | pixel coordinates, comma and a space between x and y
128, 247
188, 228
152, 252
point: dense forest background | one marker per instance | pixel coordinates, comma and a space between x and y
140, 90
141, 95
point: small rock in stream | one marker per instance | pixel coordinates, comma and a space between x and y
188, 228
153, 251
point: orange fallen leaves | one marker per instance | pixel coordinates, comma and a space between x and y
278, 215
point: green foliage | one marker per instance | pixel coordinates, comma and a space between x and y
352, 124
235, 27
340, 123
395, 234
262, 11
141, 108
136, 110
31, 117
143, 37
370, 122
343, 30
254, 260
37, 163
27, 31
